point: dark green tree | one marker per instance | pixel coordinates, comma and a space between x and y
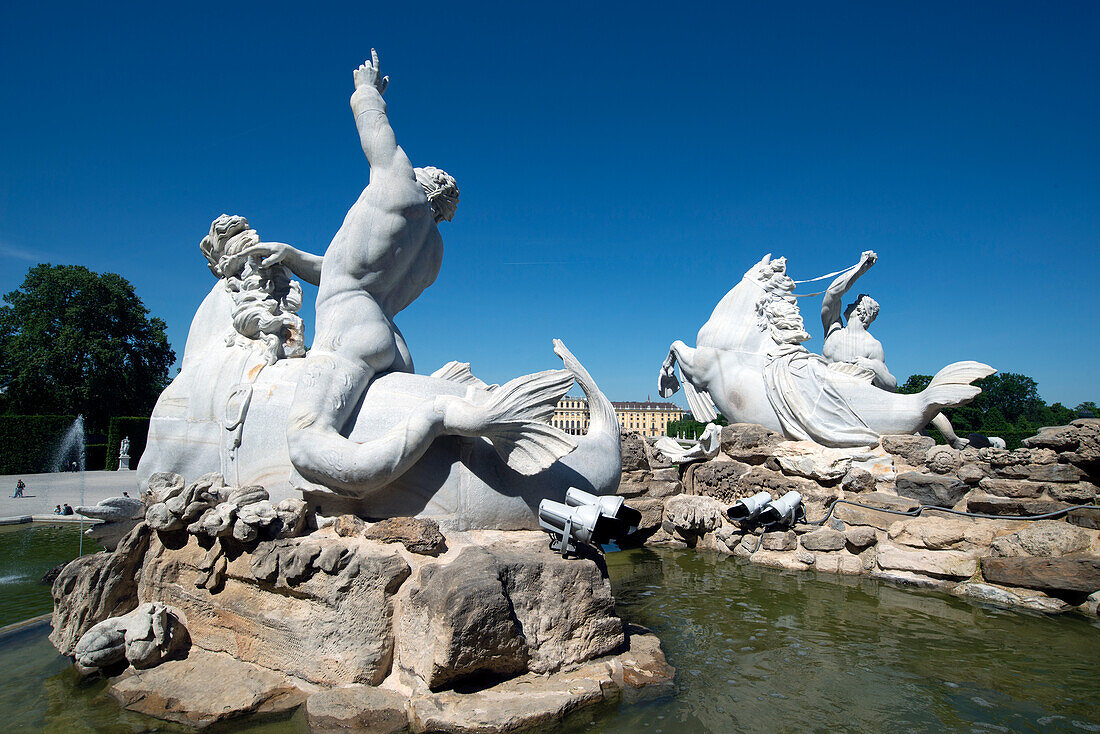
1087, 408
914, 384
74, 341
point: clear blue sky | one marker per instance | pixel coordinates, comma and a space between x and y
620, 167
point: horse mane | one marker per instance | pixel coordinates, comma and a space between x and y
758, 313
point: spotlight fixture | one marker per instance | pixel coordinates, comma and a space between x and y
787, 510
586, 518
747, 509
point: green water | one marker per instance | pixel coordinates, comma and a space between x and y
756, 650
26, 553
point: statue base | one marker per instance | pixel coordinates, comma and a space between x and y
391, 626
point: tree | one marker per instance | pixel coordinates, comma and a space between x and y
914, 384
74, 341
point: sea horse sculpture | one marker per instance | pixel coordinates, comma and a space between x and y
749, 364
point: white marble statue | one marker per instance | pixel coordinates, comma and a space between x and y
349, 423
749, 363
707, 447
848, 341
124, 454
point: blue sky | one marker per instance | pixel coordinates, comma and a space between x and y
620, 166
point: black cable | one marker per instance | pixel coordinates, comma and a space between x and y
918, 510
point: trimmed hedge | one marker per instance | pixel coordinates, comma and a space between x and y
137, 429
28, 442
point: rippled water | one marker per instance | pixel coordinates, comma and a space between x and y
26, 553
755, 650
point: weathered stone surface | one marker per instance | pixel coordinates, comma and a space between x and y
972, 473
1068, 573
504, 609
989, 505
858, 480
873, 518
1085, 517
823, 539
861, 537
652, 511
416, 534
1050, 538
634, 452
717, 479
693, 514
749, 442
143, 637
1011, 488
759, 478
1043, 472
349, 526
931, 489
1078, 443
204, 689
360, 708
990, 594
654, 457
942, 533
942, 460
780, 540
911, 449
645, 484
93, 588
811, 461
947, 564
1076, 493
324, 629
163, 486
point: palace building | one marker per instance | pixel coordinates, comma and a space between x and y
648, 418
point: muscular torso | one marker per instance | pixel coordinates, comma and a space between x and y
385, 254
848, 345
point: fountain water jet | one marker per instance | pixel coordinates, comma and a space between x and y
71, 450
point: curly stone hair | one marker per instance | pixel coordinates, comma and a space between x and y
441, 189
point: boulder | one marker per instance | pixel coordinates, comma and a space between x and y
417, 535
717, 479
990, 594
1079, 574
931, 489
503, 609
205, 689
1076, 493
749, 442
163, 486
872, 517
858, 480
823, 539
278, 608
971, 473
1011, 488
986, 504
760, 478
910, 448
942, 533
811, 461
779, 540
945, 564
634, 452
1085, 517
357, 708
693, 514
648, 483
1048, 538
349, 526
96, 587
858, 538
1078, 443
1043, 472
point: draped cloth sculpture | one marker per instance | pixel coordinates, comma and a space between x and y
749, 363
348, 423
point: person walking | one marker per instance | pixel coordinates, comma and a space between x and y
19, 487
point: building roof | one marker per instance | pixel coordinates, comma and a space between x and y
649, 405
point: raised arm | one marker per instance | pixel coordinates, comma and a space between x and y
375, 133
832, 305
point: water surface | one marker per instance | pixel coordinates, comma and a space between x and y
26, 553
756, 650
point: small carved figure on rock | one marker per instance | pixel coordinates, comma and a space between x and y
143, 638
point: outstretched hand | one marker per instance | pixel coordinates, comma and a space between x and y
271, 252
370, 73
868, 258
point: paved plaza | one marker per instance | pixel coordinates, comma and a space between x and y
46, 491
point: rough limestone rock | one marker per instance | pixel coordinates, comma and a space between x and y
504, 608
990, 594
357, 708
872, 517
93, 588
656, 483
654, 457
1078, 443
946, 564
861, 537
717, 478
634, 452
971, 473
163, 486
911, 449
1079, 574
749, 442
296, 619
1011, 488
942, 533
693, 514
1076, 493
989, 505
349, 526
1047, 538
931, 489
652, 511
206, 688
760, 478
858, 480
810, 460
417, 535
823, 539
779, 541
